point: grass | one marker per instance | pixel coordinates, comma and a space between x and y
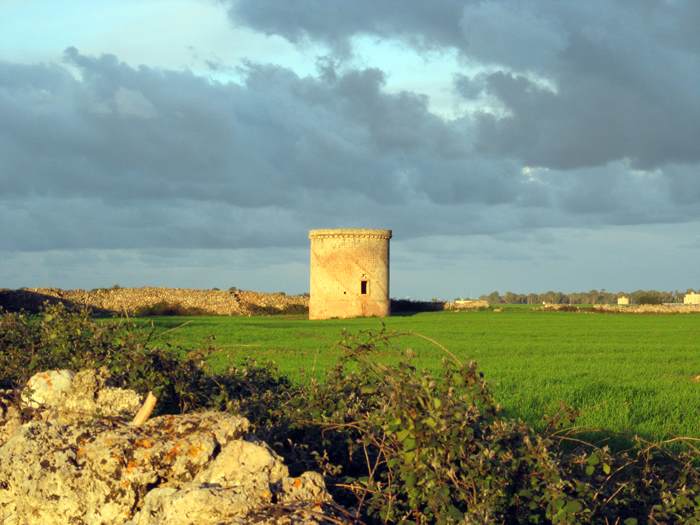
631, 374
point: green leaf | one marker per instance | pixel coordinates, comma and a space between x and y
573, 506
455, 513
410, 479
394, 424
409, 443
430, 422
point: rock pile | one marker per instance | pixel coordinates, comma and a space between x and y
68, 454
133, 301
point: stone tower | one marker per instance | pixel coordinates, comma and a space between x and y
349, 273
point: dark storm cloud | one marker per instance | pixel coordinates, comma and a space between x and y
425, 24
99, 154
153, 134
584, 83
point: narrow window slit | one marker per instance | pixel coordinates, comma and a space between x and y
363, 287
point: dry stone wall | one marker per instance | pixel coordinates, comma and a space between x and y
466, 304
626, 309
68, 454
131, 301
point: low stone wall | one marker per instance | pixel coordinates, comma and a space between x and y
649, 308
464, 304
625, 309
132, 301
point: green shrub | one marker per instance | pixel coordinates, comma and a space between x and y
59, 338
647, 298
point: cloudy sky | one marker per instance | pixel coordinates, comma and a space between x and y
509, 144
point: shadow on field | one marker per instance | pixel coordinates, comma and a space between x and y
616, 441
572, 436
407, 307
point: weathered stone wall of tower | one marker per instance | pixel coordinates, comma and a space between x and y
349, 273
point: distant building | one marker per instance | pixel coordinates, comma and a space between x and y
349, 273
466, 304
691, 298
623, 300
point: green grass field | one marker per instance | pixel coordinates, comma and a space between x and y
625, 373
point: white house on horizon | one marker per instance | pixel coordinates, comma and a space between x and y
691, 298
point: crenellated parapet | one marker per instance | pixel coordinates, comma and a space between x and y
351, 232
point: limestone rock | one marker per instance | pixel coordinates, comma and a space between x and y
307, 487
212, 504
65, 396
200, 504
88, 395
10, 418
80, 462
242, 460
241, 483
47, 389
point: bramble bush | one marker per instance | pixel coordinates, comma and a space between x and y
59, 338
401, 445
396, 444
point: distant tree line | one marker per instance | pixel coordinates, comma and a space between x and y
591, 297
